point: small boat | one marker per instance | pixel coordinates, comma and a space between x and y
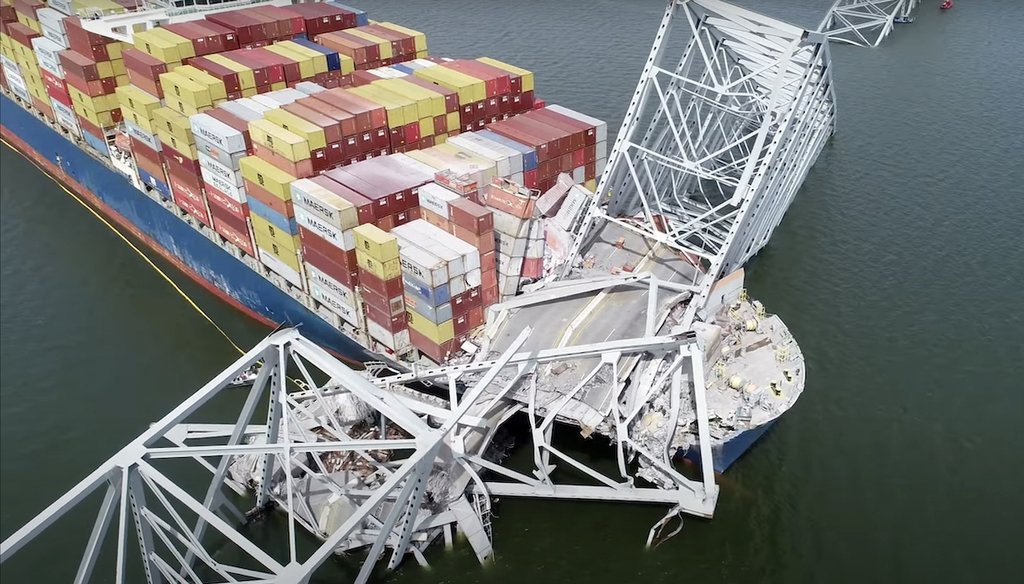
946, 5
247, 376
902, 20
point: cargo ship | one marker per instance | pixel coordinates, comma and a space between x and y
315, 168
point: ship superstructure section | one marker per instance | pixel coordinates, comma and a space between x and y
716, 142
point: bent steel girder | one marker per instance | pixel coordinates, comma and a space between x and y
715, 145
864, 23
366, 466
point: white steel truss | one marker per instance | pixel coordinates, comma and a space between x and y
366, 467
864, 23
716, 143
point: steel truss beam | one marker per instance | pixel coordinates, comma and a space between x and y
864, 23
716, 142
362, 464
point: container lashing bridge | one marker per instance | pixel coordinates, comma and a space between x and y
731, 110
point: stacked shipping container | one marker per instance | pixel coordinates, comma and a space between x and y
332, 149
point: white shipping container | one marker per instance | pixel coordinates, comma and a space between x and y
324, 204
230, 160
308, 87
474, 145
280, 268
231, 176
286, 96
601, 128
63, 6
399, 343
46, 54
142, 136
423, 265
217, 132
508, 285
601, 163
334, 304
339, 290
222, 185
456, 267
515, 157
409, 161
470, 254
245, 108
435, 198
51, 18
572, 208
56, 36
343, 240
508, 224
65, 116
579, 175
602, 150
535, 248
510, 246
473, 278
457, 285
509, 266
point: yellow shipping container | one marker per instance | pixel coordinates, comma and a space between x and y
421, 99
185, 108
185, 149
174, 124
436, 100
115, 51
100, 103
376, 242
178, 86
249, 91
268, 176
266, 231
438, 333
454, 122
212, 84
182, 44
290, 259
383, 270
145, 123
246, 78
101, 119
421, 55
319, 60
278, 86
386, 51
347, 64
155, 44
122, 80
305, 129
306, 69
292, 146
470, 89
106, 68
419, 39
527, 76
397, 107
136, 100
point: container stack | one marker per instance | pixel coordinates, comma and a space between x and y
93, 68
181, 158
326, 222
392, 186
488, 90
419, 114
47, 49
381, 288
222, 140
513, 207
441, 286
21, 67
564, 140
376, 45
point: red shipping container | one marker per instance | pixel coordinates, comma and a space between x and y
232, 84
490, 296
246, 28
576, 130
451, 98
470, 216
187, 184
320, 18
403, 46
90, 127
44, 108
345, 120
219, 38
380, 304
330, 126
590, 171
220, 213
362, 51
393, 324
78, 37
230, 206
22, 33
368, 114
268, 199
365, 208
189, 206
141, 150
301, 169
289, 24
28, 7
488, 259
461, 323
178, 161
289, 68
483, 242
383, 288
239, 238
381, 195
438, 353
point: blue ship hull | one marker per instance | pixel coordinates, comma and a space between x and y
167, 234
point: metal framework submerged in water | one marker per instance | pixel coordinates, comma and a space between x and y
714, 147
